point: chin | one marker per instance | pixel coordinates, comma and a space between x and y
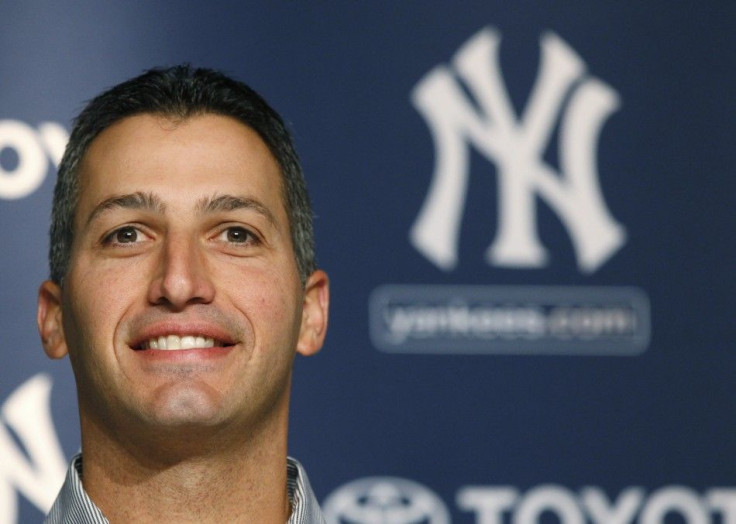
186, 407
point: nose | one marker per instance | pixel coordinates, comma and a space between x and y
182, 277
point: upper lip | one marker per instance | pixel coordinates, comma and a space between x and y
182, 329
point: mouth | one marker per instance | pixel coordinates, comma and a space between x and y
177, 342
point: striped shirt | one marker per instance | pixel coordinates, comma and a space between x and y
73, 505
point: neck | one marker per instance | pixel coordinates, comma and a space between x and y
189, 476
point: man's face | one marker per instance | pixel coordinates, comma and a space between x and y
182, 306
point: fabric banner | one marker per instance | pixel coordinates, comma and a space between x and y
526, 214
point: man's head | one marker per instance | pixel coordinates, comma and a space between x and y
179, 93
183, 277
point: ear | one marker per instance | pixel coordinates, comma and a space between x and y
48, 317
314, 314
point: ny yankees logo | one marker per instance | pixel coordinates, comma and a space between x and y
37, 468
516, 146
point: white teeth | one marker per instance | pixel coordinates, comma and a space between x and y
205, 342
173, 342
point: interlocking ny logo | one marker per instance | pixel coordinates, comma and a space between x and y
32, 464
562, 95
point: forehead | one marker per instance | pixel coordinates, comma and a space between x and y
178, 158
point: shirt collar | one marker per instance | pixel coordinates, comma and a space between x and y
74, 505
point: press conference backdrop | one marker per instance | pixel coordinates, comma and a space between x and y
526, 210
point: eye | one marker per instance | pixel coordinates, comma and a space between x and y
238, 235
124, 235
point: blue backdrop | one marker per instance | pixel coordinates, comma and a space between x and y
527, 215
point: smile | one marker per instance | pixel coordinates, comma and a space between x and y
176, 342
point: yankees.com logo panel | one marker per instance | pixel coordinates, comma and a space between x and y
520, 319
466, 104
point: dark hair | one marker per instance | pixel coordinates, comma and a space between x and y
180, 92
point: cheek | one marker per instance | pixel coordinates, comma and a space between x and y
272, 304
96, 300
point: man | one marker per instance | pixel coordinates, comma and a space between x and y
183, 282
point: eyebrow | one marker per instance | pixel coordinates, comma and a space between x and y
207, 205
218, 203
137, 200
